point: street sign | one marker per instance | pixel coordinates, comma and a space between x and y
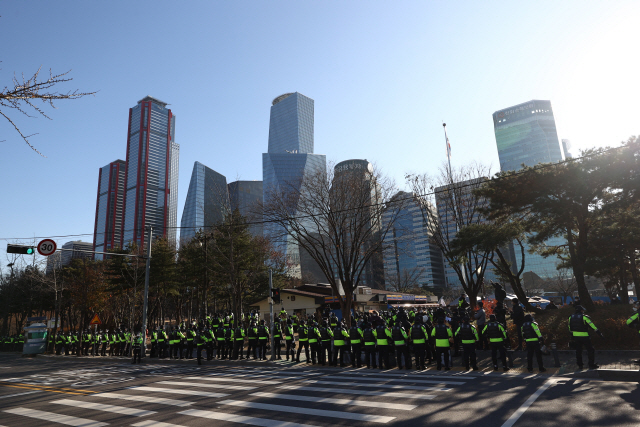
96, 320
47, 247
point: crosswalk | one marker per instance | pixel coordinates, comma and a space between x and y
259, 397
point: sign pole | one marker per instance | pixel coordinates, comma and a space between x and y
146, 294
273, 348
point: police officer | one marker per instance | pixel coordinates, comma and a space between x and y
104, 339
497, 335
579, 325
324, 350
201, 340
634, 321
221, 341
419, 338
533, 337
467, 334
191, 335
238, 342
59, 343
277, 337
369, 340
287, 332
252, 339
356, 336
400, 341
303, 341
340, 335
137, 348
263, 340
229, 338
383, 336
315, 341
442, 334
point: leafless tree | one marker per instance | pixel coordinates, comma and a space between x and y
451, 193
407, 281
337, 218
564, 284
23, 93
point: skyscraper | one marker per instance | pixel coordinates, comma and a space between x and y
246, 197
207, 201
107, 232
151, 192
526, 133
289, 159
411, 256
566, 149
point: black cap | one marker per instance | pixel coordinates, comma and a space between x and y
492, 317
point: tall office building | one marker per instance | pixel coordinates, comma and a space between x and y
289, 160
410, 253
526, 134
246, 197
151, 191
467, 207
76, 249
107, 232
207, 202
566, 149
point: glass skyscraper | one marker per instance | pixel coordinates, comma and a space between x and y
107, 232
409, 250
151, 191
526, 134
246, 197
207, 202
289, 159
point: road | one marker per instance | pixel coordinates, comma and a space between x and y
48, 391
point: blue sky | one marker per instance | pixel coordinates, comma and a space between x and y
384, 75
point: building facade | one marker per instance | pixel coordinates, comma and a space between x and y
411, 256
566, 149
71, 250
289, 160
246, 197
107, 232
526, 134
207, 202
151, 191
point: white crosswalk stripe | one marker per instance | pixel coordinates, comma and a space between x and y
418, 377
222, 416
232, 379
146, 399
106, 408
192, 384
153, 423
401, 387
52, 417
384, 405
178, 391
361, 392
398, 380
309, 411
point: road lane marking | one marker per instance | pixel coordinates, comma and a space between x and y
47, 388
367, 403
227, 379
224, 386
19, 394
405, 376
361, 392
222, 416
52, 417
309, 411
178, 391
146, 399
522, 409
106, 408
153, 423
401, 387
398, 380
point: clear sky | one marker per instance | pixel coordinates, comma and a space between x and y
384, 75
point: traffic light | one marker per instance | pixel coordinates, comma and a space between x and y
275, 295
20, 249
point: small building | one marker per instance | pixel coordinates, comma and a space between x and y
294, 301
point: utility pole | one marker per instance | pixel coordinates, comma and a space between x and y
146, 293
273, 348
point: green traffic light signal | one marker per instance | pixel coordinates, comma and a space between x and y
20, 249
29, 251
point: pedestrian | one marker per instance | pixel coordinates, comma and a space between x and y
340, 335
277, 337
326, 335
634, 321
481, 319
315, 340
252, 340
497, 335
401, 344
137, 348
517, 315
355, 337
238, 342
383, 336
303, 341
263, 339
442, 335
467, 334
419, 338
533, 337
579, 326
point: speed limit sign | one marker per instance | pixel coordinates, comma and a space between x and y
47, 247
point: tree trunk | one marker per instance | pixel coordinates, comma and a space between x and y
577, 259
624, 293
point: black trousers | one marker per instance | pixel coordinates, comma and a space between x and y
586, 343
305, 345
238, 346
339, 349
370, 356
383, 356
420, 350
262, 345
210, 348
315, 352
290, 349
356, 355
482, 342
534, 347
403, 350
495, 348
136, 355
189, 350
278, 346
222, 349
252, 346
469, 355
325, 352
199, 354
445, 351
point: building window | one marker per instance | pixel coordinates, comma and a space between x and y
293, 297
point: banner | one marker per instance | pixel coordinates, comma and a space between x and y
329, 300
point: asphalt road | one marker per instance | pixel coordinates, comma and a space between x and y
48, 391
